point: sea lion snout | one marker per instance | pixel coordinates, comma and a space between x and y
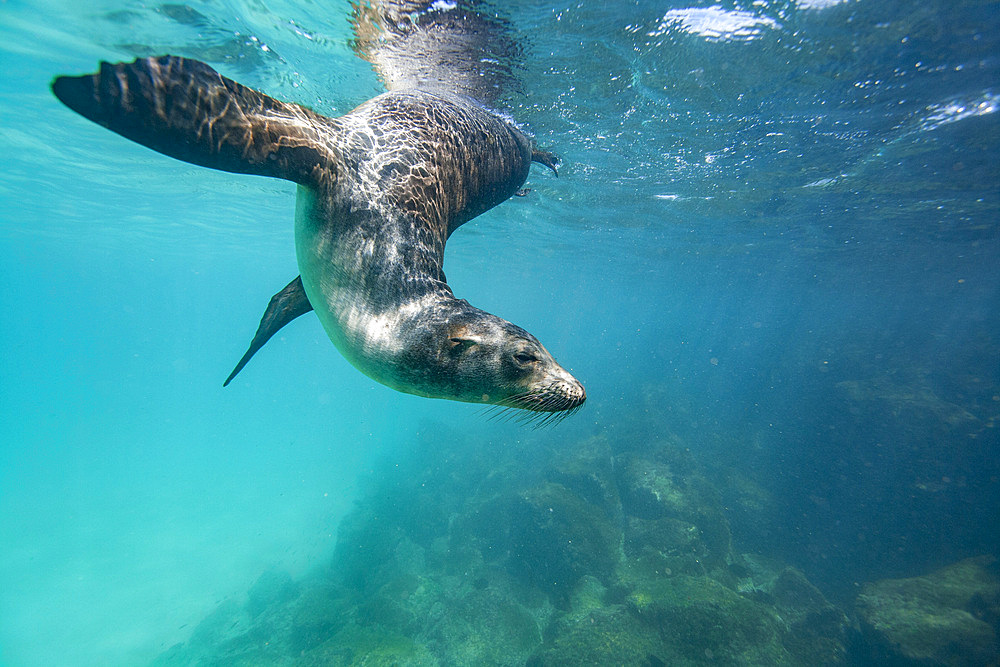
572, 394
556, 392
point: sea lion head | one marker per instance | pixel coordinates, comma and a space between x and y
470, 355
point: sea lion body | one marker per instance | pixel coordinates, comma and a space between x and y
380, 191
370, 243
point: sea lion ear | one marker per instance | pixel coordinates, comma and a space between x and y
458, 344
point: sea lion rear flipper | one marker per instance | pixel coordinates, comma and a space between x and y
549, 159
283, 307
185, 109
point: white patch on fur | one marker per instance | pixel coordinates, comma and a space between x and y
380, 335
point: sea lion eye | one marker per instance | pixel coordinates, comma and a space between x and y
525, 357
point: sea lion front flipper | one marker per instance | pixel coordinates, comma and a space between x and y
185, 109
283, 307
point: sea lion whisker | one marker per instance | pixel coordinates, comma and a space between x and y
513, 415
529, 416
523, 401
522, 416
550, 400
517, 398
506, 413
490, 411
542, 420
502, 414
550, 419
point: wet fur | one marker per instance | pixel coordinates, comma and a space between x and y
380, 191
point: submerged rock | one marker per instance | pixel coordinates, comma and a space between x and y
484, 627
586, 557
588, 470
366, 646
272, 587
666, 546
701, 619
948, 617
546, 535
815, 632
666, 497
594, 632
606, 635
292, 619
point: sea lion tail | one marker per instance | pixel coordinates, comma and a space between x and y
185, 109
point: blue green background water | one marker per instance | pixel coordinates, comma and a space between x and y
774, 237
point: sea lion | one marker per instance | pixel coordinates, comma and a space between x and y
380, 190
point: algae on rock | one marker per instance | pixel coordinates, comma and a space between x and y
948, 617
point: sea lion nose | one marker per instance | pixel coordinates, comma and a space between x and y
577, 394
570, 390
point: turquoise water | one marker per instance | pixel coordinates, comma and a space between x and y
774, 240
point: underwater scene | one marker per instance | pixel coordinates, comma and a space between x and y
764, 237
